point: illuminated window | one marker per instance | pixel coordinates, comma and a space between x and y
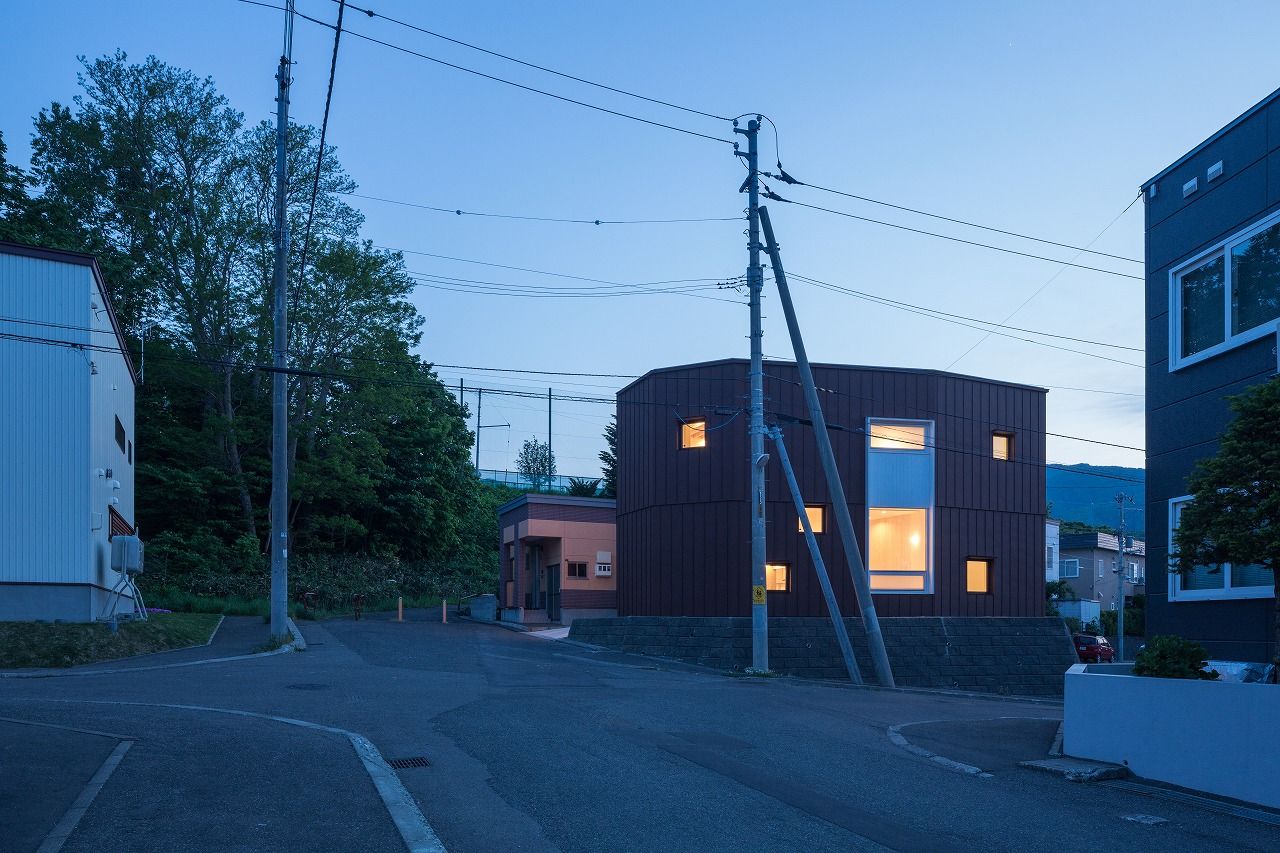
1002, 445
693, 434
777, 577
817, 519
886, 435
977, 575
898, 549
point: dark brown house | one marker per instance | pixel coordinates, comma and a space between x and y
944, 475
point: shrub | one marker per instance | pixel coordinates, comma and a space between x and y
1173, 657
1073, 624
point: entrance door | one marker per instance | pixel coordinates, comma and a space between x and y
553, 592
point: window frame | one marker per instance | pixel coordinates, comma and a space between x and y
818, 529
1011, 446
1226, 593
926, 429
927, 588
1229, 342
1062, 574
687, 423
786, 571
570, 565
990, 563
121, 435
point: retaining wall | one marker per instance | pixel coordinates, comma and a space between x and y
1021, 656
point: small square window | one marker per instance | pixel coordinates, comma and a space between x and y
977, 575
817, 519
693, 434
1002, 446
777, 577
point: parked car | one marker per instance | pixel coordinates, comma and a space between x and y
1093, 649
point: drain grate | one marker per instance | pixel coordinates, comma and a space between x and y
406, 763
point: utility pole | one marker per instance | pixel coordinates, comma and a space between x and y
758, 458
1121, 500
280, 348
479, 403
550, 465
835, 486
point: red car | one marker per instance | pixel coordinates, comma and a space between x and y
1093, 649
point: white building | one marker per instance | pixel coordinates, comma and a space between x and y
66, 438
1052, 551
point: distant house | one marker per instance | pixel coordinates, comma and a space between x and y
944, 476
557, 559
1212, 306
1052, 549
1088, 565
66, 438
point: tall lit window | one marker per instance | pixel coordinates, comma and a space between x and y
977, 573
887, 435
693, 433
817, 519
1002, 445
898, 549
777, 577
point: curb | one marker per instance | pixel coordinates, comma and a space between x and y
298, 644
497, 623
1077, 770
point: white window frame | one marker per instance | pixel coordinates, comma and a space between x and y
1229, 342
1226, 593
1062, 572
930, 514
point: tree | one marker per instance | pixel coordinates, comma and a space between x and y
1234, 515
609, 459
582, 487
536, 463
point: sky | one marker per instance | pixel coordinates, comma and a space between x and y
1039, 118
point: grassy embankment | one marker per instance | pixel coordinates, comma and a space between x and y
41, 644
185, 602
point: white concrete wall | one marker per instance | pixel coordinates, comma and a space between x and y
1203, 735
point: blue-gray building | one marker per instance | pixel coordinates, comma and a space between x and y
1213, 299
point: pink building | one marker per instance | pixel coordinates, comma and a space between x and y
557, 559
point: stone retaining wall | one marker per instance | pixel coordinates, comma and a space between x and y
1021, 656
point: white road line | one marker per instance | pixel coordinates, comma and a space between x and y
62, 831
413, 827
897, 738
67, 728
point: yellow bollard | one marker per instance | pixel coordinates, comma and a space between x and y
400, 609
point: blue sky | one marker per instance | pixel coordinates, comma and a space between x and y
1034, 117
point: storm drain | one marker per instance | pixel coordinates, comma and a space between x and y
406, 763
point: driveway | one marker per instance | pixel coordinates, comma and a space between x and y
524, 744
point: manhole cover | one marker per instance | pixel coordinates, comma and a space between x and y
406, 763
306, 687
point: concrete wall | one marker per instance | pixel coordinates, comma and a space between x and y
1024, 656
1204, 735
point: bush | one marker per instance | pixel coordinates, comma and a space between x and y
1073, 624
1173, 657
1134, 622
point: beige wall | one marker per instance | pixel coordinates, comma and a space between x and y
578, 542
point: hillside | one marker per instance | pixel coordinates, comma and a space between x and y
1087, 493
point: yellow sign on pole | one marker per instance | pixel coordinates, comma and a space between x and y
757, 595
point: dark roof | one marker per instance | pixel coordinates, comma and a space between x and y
81, 259
1101, 542
560, 500
1212, 139
919, 371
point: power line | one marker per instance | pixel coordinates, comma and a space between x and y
927, 312
533, 218
790, 180
778, 198
324, 129
373, 14
1049, 281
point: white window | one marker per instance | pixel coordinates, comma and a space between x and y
1101, 571
1070, 568
604, 570
898, 550
1226, 296
1048, 558
777, 577
890, 435
1214, 582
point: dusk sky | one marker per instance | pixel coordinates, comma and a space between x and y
1032, 117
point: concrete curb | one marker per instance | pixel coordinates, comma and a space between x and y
1077, 770
298, 644
497, 623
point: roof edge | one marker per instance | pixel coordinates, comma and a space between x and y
1222, 131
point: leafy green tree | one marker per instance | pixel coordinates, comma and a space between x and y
582, 487
609, 459
1234, 516
536, 463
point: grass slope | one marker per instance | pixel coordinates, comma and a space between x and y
39, 644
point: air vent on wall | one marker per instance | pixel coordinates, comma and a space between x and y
1190, 186
1215, 171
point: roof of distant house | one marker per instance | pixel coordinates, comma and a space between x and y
561, 500
1101, 542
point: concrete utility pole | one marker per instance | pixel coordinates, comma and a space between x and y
1121, 500
758, 458
479, 403
835, 486
280, 349
833, 606
550, 466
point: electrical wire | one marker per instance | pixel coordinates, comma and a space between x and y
531, 218
324, 129
433, 34
778, 198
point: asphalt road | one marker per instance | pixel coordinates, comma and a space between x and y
539, 745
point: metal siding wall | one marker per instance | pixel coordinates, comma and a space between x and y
44, 393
